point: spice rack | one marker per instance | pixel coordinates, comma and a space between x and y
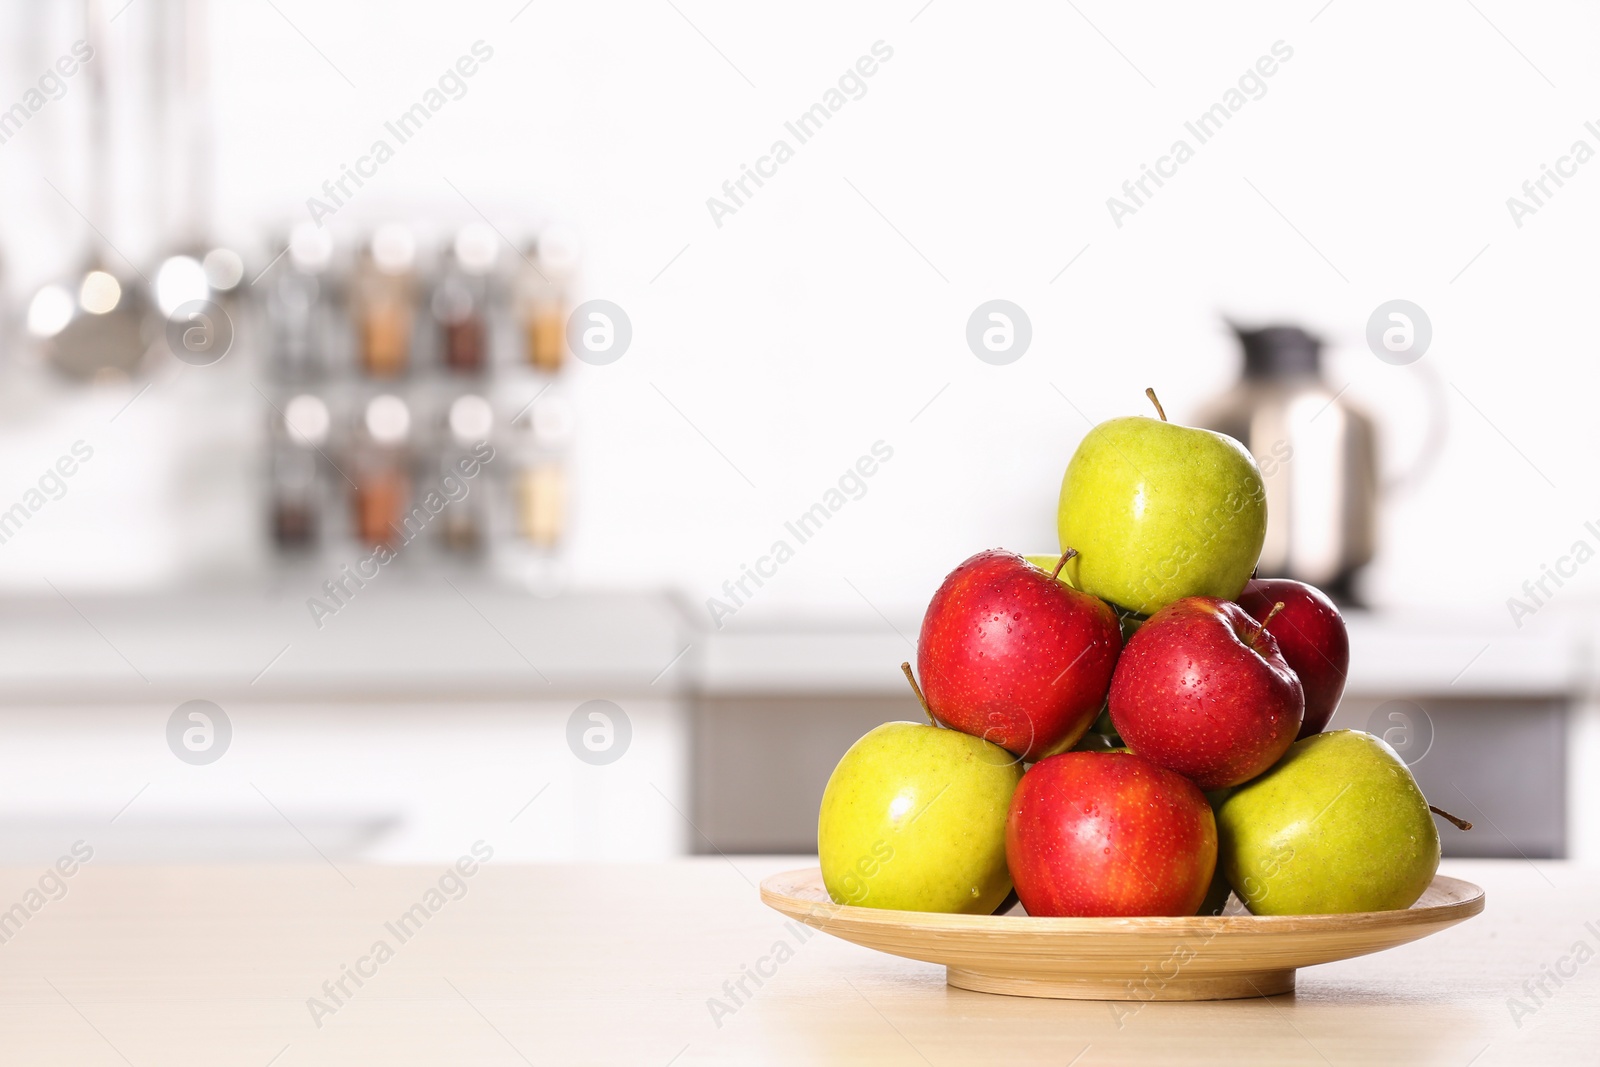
418, 415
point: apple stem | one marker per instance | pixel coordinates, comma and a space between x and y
1261, 627
917, 689
1460, 824
1062, 562
1151, 393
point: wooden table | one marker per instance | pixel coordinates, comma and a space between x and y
642, 965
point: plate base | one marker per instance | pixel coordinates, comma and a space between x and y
1221, 987
1126, 958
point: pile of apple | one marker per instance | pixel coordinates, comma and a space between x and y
1133, 727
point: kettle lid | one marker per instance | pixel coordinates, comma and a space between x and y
1279, 352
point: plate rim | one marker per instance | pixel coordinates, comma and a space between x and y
1471, 901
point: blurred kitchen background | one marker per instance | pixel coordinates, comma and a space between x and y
182, 518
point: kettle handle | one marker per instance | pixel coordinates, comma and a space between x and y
1427, 456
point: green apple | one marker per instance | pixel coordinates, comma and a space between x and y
914, 818
1337, 825
1158, 512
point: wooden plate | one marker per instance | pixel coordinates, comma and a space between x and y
1198, 958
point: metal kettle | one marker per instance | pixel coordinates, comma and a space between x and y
1318, 455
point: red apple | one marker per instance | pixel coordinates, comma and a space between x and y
1012, 655
1203, 690
1311, 635
1109, 833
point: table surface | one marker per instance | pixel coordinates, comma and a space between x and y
641, 965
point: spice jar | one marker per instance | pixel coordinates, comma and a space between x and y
536, 481
542, 300
295, 486
461, 301
385, 289
299, 306
540, 490
469, 426
381, 473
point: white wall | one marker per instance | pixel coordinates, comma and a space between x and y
806, 327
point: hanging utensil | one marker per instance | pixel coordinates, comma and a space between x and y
104, 325
197, 269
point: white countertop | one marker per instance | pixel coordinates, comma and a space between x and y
429, 637
1466, 654
422, 638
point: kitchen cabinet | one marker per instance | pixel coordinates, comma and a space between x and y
1500, 730
1500, 763
414, 722
762, 760
341, 782
423, 713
